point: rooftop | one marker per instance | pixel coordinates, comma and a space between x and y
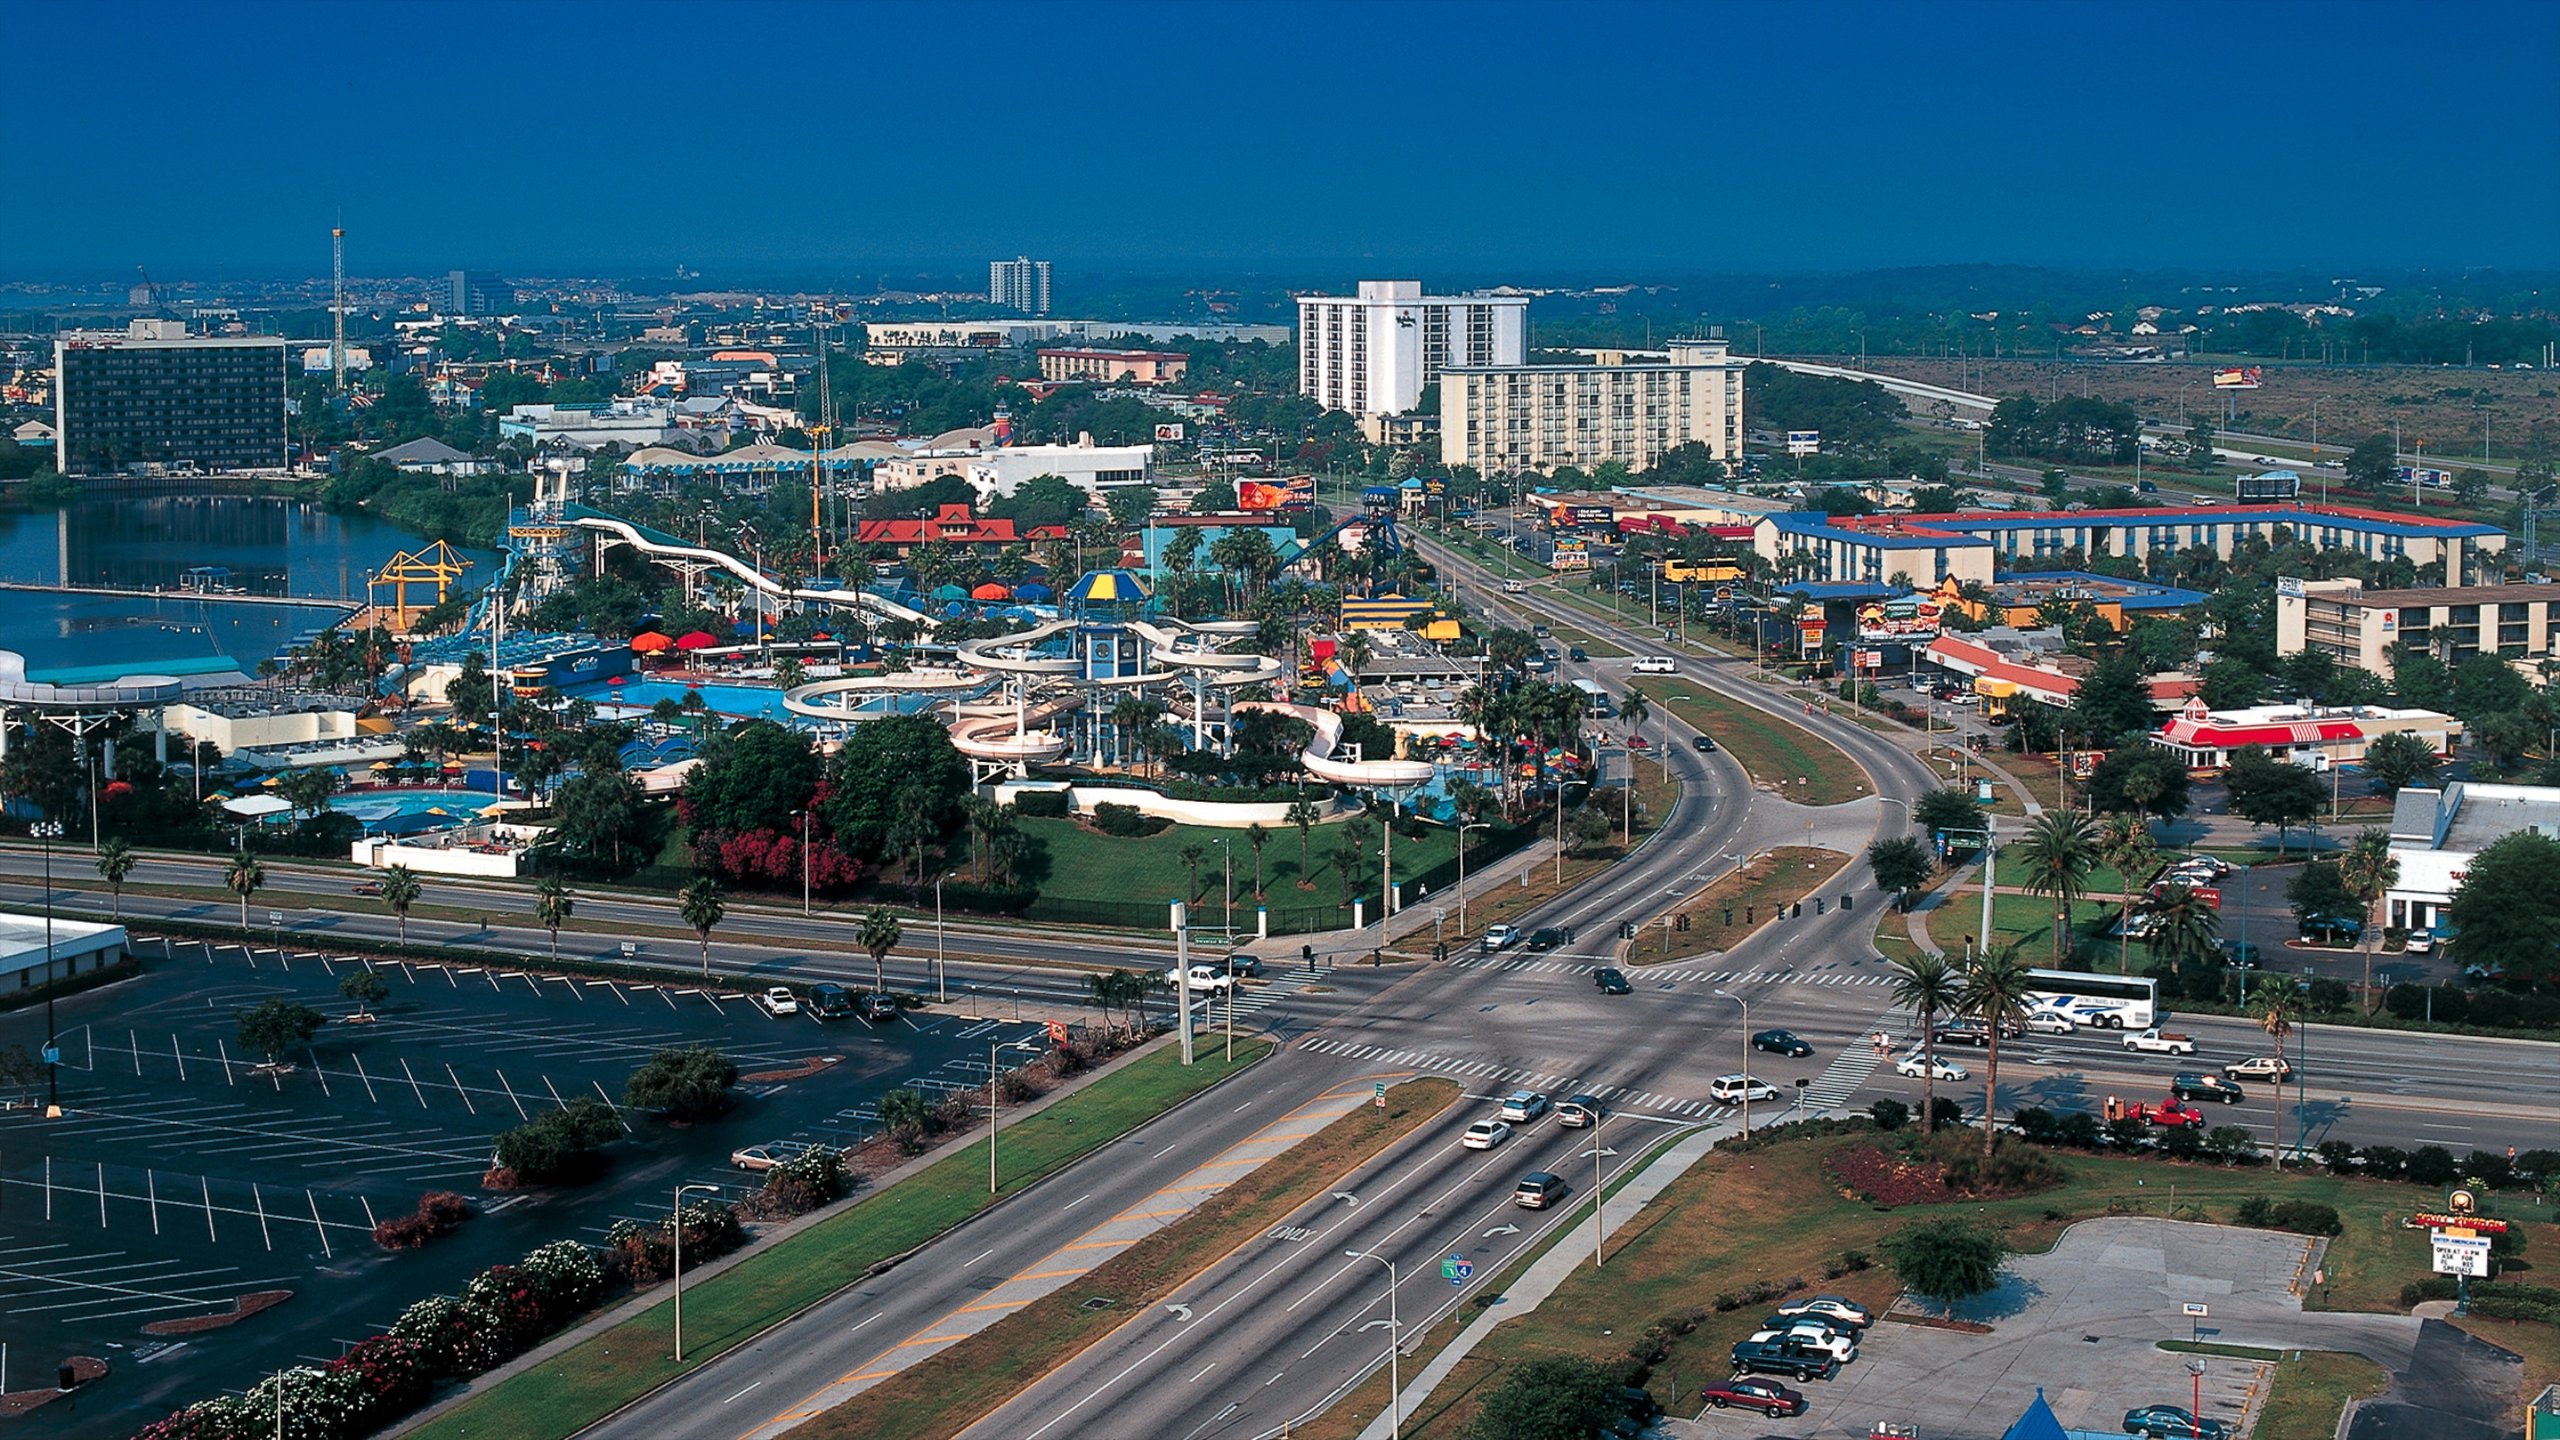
2470, 818
22, 939
2518, 593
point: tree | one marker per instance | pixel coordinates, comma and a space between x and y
2111, 703
703, 908
277, 1025
1553, 1397
1995, 992
2368, 872
2124, 842
115, 861
1948, 1260
2058, 852
751, 778
900, 768
1304, 815
602, 817
552, 907
559, 1144
2268, 791
2230, 683
1191, 856
2507, 912
1900, 865
905, 1115
1947, 809
1928, 986
2398, 760
245, 877
2184, 929
400, 890
2375, 462
366, 987
878, 934
2139, 779
1257, 837
688, 1082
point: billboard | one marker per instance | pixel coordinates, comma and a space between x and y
2428, 476
2269, 485
1169, 432
2460, 1254
1594, 517
2239, 378
1294, 493
1804, 442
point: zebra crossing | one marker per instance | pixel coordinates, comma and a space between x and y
1568, 966
1856, 1061
1459, 1067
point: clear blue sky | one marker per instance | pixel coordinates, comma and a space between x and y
1666, 138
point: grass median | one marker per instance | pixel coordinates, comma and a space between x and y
574, 1389
1753, 894
1779, 754
945, 1394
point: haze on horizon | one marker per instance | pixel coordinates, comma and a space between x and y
769, 138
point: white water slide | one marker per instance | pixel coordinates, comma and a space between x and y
1318, 757
629, 534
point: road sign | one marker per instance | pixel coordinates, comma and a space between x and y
1382, 1095
1456, 1269
275, 918
53, 1054
2194, 1308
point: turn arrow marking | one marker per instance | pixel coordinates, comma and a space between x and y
1502, 1230
1179, 1312
1346, 1197
1375, 1324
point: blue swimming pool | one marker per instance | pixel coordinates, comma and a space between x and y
739, 702
407, 812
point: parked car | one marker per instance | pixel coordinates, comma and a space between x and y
1499, 939
1732, 1089
1755, 1393
1916, 1064
1755, 1357
1811, 1335
1525, 1106
1485, 1134
781, 1001
1781, 1042
2171, 1422
1542, 940
1611, 981
1837, 1309
1538, 1189
1580, 1110
2187, 1085
830, 1001
879, 1006
769, 1154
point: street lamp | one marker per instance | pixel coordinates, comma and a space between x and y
675, 1221
992, 1101
1462, 870
1746, 1057
804, 861
1395, 1379
941, 984
1227, 849
48, 831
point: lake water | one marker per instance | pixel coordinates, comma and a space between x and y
272, 546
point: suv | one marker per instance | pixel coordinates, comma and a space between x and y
1655, 665
878, 1006
1499, 939
1760, 1357
830, 1001
1524, 1106
1581, 1110
1539, 1189
1731, 1088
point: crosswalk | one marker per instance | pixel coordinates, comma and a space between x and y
1856, 1061
1463, 1068
1569, 965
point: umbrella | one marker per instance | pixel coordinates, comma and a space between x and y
650, 642
1033, 592
949, 592
990, 591
438, 810
617, 681
743, 627
695, 640
383, 765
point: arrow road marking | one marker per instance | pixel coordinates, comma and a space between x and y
1502, 1230
1603, 1150
1376, 1325
1178, 1312
1346, 1197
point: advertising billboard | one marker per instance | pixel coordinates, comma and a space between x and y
1595, 517
2239, 377
1294, 493
1804, 442
1169, 432
2428, 476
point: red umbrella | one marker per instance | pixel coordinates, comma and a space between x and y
991, 591
616, 681
695, 640
649, 642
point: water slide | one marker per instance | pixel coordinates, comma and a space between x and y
653, 544
1318, 756
125, 693
1000, 732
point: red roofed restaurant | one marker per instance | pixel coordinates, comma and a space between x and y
2315, 736
953, 525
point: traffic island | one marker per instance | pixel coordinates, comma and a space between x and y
1763, 891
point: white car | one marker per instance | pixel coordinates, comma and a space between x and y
1837, 1311
781, 1001
1203, 977
1915, 1064
1734, 1088
1499, 938
1812, 1336
1485, 1134
2051, 1022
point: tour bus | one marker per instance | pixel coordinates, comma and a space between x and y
2105, 1002
1595, 701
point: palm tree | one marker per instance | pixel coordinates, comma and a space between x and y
789, 673
1191, 857
2059, 849
115, 861
702, 908
2368, 872
2280, 1011
2124, 842
400, 890
552, 906
2183, 927
1995, 993
1257, 837
1636, 710
245, 877
1928, 986
1304, 815
878, 934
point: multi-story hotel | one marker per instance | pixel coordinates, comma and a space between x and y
1373, 353
1509, 418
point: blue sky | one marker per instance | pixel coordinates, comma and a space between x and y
1547, 139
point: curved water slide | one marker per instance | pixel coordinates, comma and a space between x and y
125, 693
648, 544
1221, 667
999, 732
1318, 756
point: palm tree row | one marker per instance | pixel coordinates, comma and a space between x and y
1990, 990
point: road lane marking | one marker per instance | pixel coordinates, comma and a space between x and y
750, 1386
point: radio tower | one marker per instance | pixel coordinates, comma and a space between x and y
338, 304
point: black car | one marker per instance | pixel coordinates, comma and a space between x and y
1704, 744
1772, 1358
877, 1007
2190, 1086
2172, 1422
1545, 940
1781, 1042
830, 1001
1610, 981
1245, 965
1574, 652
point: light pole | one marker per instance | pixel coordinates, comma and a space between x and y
48, 831
1227, 852
1462, 870
941, 984
1395, 1378
1746, 1057
675, 1222
993, 1103
804, 862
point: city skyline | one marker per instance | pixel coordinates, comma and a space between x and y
1644, 138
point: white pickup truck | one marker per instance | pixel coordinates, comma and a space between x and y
2160, 1042
1203, 977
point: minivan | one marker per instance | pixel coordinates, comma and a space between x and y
1654, 665
1539, 1189
830, 1001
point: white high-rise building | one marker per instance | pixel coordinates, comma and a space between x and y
1508, 418
1020, 284
1373, 353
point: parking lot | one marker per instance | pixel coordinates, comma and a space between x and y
182, 1176
2083, 1322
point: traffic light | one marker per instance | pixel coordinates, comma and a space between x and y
1750, 915
1817, 905
1626, 929
1728, 916
1799, 911
1848, 902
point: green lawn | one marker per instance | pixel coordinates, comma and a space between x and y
1085, 864
1777, 753
572, 1390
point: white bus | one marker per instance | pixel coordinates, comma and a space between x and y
2106, 1002
1595, 701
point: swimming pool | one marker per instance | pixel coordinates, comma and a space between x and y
407, 812
736, 701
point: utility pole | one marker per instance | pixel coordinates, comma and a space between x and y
338, 304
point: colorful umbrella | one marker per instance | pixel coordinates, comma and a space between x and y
990, 591
617, 681
695, 640
650, 642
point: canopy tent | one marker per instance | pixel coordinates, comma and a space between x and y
257, 807
949, 592
1034, 592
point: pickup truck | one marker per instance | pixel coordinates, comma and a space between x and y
2172, 1111
2160, 1042
1752, 1357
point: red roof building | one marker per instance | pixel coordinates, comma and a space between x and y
2315, 736
953, 525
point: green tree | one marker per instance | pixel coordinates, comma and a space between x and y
245, 877
1947, 809
2124, 843
1949, 1260
2374, 464
601, 818
115, 861
2184, 929
400, 891
702, 907
552, 907
2398, 760
276, 1025
2231, 683
897, 768
878, 934
1928, 985
751, 778
1304, 815
1553, 1397
2058, 852
2368, 872
2268, 791
2507, 912
906, 1117
559, 1144
688, 1082
2112, 702
1257, 837
366, 987
1900, 865
1996, 986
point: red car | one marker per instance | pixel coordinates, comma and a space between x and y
1755, 1393
2172, 1111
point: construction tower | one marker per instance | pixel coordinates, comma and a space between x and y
338, 305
